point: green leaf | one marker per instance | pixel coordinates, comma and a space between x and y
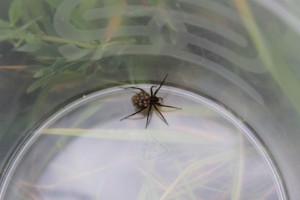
35, 85
47, 52
32, 44
29, 24
8, 34
15, 11
58, 64
29, 47
83, 67
39, 74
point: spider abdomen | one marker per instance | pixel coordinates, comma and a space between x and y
141, 100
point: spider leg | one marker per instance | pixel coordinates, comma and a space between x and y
161, 115
133, 88
162, 105
133, 114
151, 89
147, 122
160, 85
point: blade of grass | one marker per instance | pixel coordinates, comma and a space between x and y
238, 172
15, 11
196, 165
280, 72
114, 22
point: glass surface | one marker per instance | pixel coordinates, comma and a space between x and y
233, 67
86, 152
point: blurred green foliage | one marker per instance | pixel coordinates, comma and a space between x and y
28, 27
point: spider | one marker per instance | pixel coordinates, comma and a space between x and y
143, 100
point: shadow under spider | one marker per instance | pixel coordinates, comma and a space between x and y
143, 100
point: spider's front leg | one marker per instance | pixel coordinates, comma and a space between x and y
151, 90
134, 88
162, 105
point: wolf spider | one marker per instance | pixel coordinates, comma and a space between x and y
144, 100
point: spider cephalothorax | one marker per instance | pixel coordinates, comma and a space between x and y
143, 100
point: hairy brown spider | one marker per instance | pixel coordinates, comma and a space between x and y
143, 100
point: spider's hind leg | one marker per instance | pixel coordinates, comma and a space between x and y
148, 114
162, 105
133, 114
163, 118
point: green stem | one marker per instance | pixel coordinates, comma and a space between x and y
66, 41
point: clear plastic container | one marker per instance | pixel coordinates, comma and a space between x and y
233, 69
